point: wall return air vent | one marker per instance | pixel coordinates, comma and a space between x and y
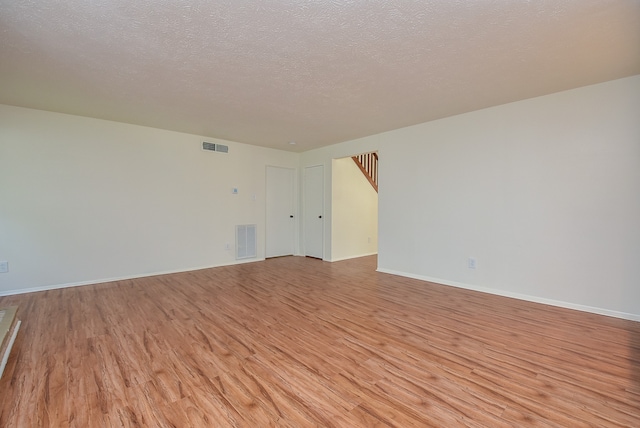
213, 147
246, 241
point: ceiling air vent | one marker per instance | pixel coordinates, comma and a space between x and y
215, 147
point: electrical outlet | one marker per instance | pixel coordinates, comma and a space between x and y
4, 267
473, 263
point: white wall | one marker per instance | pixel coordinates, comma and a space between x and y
354, 223
544, 193
85, 200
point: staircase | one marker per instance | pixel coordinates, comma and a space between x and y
368, 164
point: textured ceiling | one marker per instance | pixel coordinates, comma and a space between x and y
317, 72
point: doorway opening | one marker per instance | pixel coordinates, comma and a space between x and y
354, 205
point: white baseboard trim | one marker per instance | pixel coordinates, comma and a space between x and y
526, 297
339, 259
120, 278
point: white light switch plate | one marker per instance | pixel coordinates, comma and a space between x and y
473, 263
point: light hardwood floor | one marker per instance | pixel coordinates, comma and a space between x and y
297, 342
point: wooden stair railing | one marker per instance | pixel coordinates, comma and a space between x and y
368, 164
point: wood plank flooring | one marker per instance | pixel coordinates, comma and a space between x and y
297, 342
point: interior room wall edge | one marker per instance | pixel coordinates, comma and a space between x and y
122, 278
525, 297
